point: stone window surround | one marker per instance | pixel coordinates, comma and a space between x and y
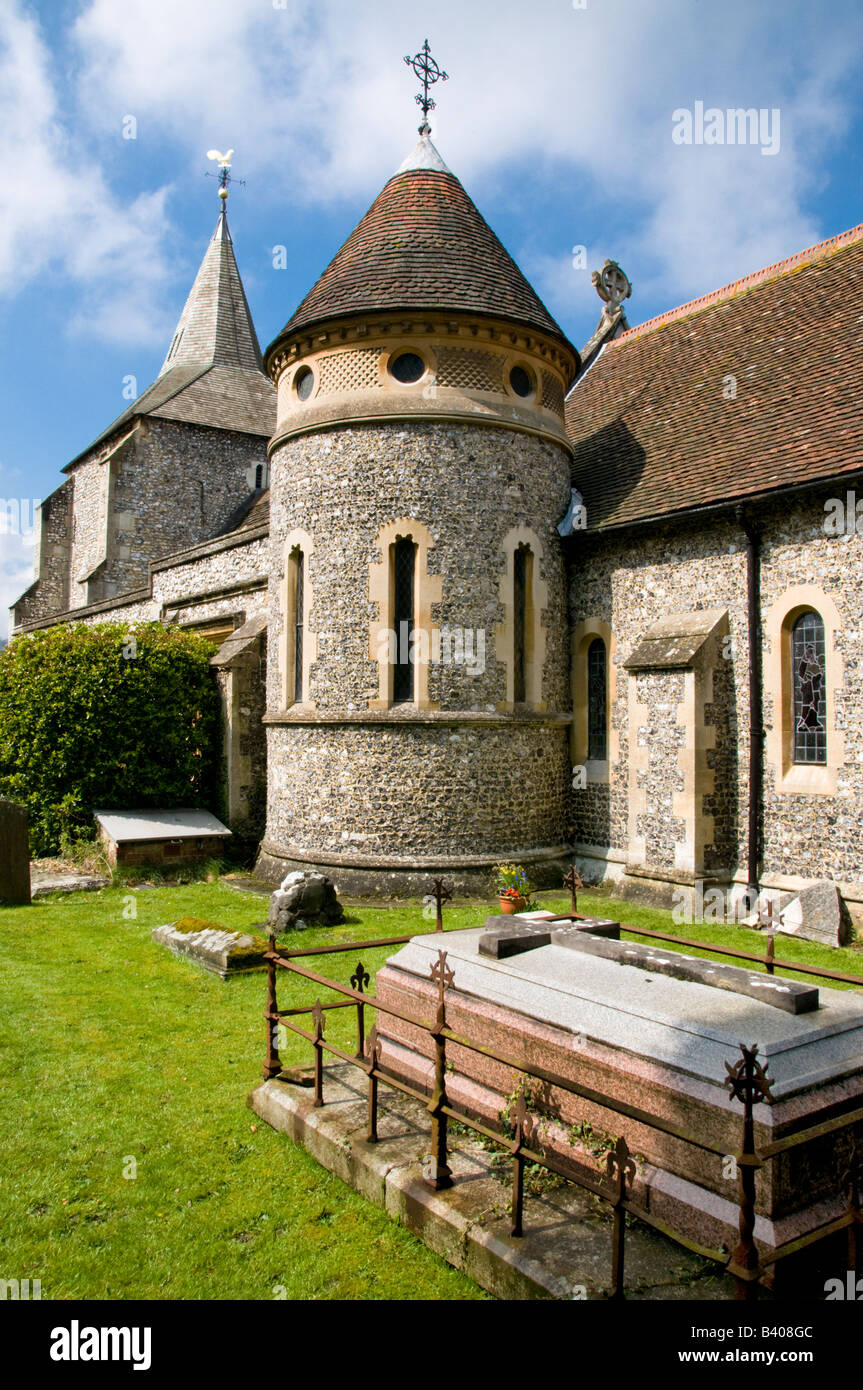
297, 540
801, 779
537, 606
428, 589
583, 635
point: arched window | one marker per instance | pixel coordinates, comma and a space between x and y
520, 638
597, 701
402, 631
259, 477
808, 683
404, 559
522, 585
296, 625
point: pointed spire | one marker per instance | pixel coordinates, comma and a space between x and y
215, 327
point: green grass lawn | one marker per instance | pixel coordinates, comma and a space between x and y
118, 1057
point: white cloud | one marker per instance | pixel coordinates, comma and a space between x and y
316, 101
315, 97
59, 214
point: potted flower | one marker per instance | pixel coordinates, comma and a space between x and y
513, 888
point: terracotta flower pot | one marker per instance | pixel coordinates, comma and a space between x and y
510, 905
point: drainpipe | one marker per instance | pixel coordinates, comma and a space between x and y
756, 695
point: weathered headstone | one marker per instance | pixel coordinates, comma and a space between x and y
816, 914
14, 854
305, 899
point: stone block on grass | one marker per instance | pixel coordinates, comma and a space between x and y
223, 952
305, 899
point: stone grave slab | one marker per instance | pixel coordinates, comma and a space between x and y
780, 993
223, 952
640, 1037
513, 935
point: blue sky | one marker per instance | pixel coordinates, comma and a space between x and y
558, 118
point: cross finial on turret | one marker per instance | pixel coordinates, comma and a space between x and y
224, 174
428, 72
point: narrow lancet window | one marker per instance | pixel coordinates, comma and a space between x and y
404, 571
521, 586
597, 701
295, 626
808, 666
299, 626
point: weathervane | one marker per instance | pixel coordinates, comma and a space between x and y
428, 73
224, 174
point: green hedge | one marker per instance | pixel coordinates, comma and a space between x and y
113, 716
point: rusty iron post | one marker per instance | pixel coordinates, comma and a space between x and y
440, 1173
524, 1129
620, 1169
359, 980
852, 1181
318, 1017
272, 1065
574, 882
771, 954
374, 1051
748, 1082
442, 893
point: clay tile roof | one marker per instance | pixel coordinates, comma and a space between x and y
659, 426
423, 245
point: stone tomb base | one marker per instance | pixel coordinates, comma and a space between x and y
652, 1041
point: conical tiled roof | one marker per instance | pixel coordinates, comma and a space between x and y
423, 245
216, 326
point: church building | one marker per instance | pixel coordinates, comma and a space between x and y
481, 596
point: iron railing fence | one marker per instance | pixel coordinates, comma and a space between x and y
747, 1083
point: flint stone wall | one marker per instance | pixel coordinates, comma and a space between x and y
631, 581
172, 486
418, 791
469, 486
393, 790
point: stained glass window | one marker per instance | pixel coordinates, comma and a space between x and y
404, 569
521, 560
597, 716
808, 673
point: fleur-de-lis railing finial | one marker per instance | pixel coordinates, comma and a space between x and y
360, 978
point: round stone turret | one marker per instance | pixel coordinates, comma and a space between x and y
418, 681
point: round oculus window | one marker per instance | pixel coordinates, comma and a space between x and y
407, 367
304, 383
521, 382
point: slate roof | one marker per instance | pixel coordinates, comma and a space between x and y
216, 323
652, 431
213, 374
423, 245
254, 512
